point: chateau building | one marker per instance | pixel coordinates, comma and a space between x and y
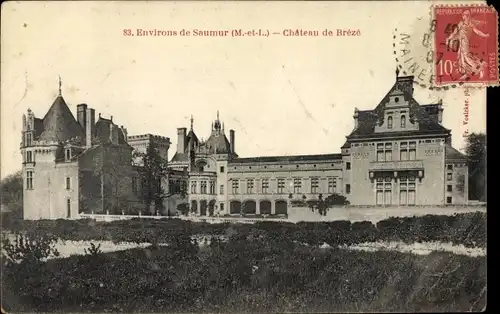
78, 165
398, 154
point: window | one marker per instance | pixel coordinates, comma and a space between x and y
68, 208
68, 154
203, 187
221, 169
403, 148
448, 200
29, 180
384, 190
332, 185
265, 186
29, 156
212, 187
449, 188
297, 185
348, 165
388, 152
384, 152
407, 190
380, 152
314, 185
28, 139
413, 150
221, 206
281, 186
347, 188
221, 189
403, 122
449, 176
236, 185
408, 151
389, 122
450, 167
249, 186
193, 187
68, 183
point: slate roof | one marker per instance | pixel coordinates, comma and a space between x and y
192, 137
426, 115
218, 144
102, 131
38, 127
453, 154
180, 157
284, 159
59, 124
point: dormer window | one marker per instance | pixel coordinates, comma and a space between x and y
68, 154
389, 122
403, 122
396, 99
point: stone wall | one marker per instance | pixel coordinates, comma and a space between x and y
375, 214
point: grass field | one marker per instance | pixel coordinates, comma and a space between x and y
264, 267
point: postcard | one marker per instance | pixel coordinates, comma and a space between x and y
222, 156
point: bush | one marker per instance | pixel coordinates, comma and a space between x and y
253, 275
468, 229
28, 248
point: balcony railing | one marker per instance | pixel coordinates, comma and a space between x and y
397, 165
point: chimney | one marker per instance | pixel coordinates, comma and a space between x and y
112, 134
81, 113
356, 116
89, 126
181, 140
440, 111
125, 133
24, 122
231, 140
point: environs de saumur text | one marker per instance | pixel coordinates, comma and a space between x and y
259, 32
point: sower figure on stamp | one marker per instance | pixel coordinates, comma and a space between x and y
468, 62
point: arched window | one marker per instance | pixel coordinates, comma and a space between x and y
403, 122
389, 122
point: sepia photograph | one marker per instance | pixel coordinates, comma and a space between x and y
245, 157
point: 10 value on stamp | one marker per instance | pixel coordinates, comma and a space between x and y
466, 45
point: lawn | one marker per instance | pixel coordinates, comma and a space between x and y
254, 272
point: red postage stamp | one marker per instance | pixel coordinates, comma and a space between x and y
466, 45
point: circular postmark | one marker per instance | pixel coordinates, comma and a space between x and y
414, 53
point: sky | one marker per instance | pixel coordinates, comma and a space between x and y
283, 95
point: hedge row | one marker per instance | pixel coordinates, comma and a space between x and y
468, 229
248, 276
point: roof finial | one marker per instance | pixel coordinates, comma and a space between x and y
217, 114
397, 71
60, 85
192, 121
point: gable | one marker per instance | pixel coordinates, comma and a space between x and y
421, 119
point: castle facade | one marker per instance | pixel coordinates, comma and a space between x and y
398, 154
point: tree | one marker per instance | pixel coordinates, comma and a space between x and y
109, 178
476, 161
153, 169
12, 193
323, 205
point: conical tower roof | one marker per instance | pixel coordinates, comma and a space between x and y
59, 123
